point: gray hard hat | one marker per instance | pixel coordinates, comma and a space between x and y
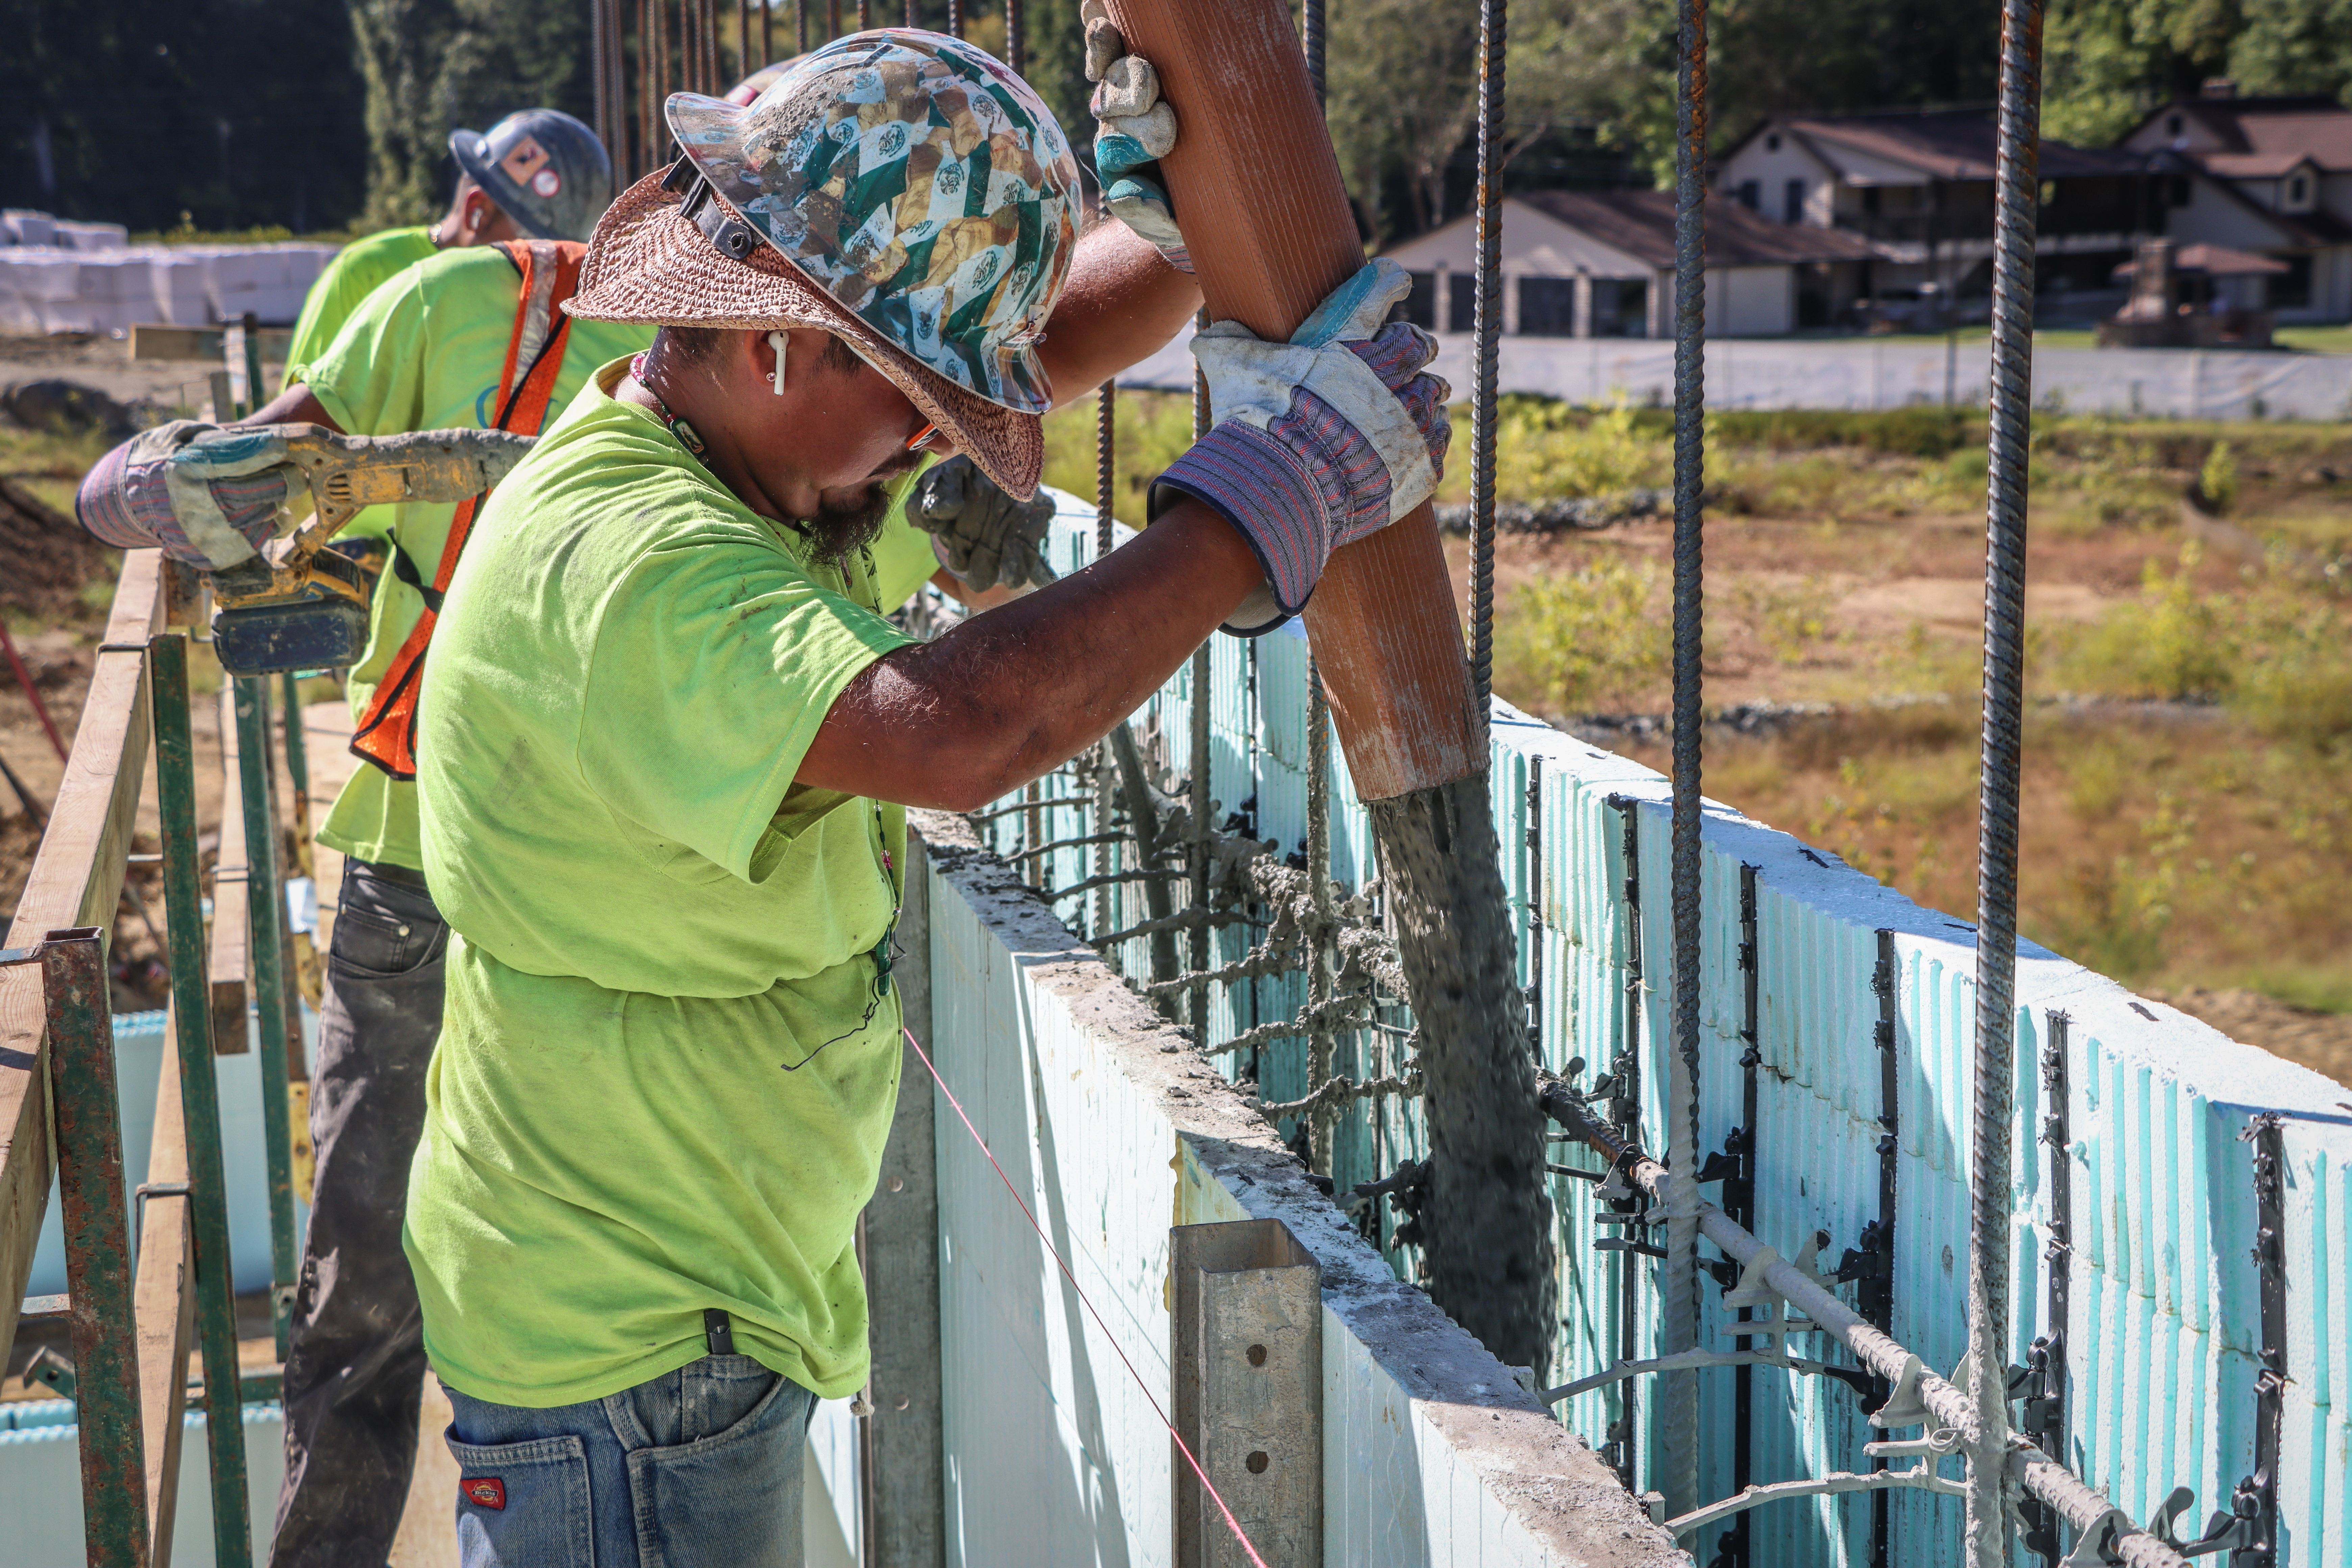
546, 170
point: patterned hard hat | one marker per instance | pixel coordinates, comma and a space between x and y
546, 171
920, 182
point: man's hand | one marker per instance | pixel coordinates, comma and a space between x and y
210, 496
1134, 129
981, 534
1320, 440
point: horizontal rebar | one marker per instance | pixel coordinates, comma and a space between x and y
1112, 879
1064, 803
2082, 1505
1183, 920
1268, 958
1060, 844
1343, 1091
1339, 1012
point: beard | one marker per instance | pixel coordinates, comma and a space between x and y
841, 528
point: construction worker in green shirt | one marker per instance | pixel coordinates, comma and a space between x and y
668, 735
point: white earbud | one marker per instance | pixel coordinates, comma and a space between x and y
777, 341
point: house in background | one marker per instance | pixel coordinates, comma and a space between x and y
1600, 264
2271, 176
1919, 185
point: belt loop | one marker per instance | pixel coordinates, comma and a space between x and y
717, 1330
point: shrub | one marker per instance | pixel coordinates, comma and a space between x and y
1586, 636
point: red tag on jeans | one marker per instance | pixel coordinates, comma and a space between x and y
487, 1491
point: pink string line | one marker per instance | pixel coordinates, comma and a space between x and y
1231, 1522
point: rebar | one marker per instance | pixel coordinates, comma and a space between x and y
955, 18
1322, 1044
2016, 186
1313, 32
1015, 55
800, 24
1200, 803
1679, 1281
1487, 324
1105, 451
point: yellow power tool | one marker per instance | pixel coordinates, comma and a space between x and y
299, 605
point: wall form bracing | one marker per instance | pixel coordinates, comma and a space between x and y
2164, 1320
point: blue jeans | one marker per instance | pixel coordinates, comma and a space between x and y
699, 1467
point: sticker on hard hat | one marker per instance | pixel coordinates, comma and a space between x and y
525, 159
547, 181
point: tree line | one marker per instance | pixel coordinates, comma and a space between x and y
316, 114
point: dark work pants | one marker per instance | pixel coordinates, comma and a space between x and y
355, 1369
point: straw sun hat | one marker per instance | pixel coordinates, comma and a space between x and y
899, 189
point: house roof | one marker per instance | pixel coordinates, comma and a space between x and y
2215, 261
1642, 224
1942, 143
2265, 137
2313, 228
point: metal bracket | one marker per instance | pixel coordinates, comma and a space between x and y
2094, 1547
49, 1367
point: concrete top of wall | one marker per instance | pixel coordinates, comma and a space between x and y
1555, 1487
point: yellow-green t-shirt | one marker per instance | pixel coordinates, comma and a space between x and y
357, 270
667, 1062
355, 274
425, 352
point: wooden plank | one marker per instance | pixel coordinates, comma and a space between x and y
232, 925
164, 1305
153, 341
1271, 233
75, 881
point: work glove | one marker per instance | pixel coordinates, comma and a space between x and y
985, 536
1133, 130
211, 496
1318, 441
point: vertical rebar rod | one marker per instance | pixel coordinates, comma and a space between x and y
800, 26
1322, 1044
649, 147
865, 15
743, 66
1486, 327
955, 18
1201, 800
1313, 32
2016, 186
1016, 54
1678, 1418
600, 53
1106, 454
914, 18
95, 1221
767, 31
213, 1280
265, 913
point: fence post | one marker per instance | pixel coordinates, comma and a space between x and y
1246, 1364
214, 1284
81, 1030
265, 907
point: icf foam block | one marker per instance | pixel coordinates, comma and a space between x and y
2162, 1338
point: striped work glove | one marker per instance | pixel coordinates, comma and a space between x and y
211, 496
1318, 441
1134, 129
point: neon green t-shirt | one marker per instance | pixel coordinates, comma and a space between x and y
355, 274
425, 353
667, 1059
357, 271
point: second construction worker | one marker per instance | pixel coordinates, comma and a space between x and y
472, 335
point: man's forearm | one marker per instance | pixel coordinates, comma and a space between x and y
1008, 696
297, 405
1122, 305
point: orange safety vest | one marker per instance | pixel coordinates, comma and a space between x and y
386, 733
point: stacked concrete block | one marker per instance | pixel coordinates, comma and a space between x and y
59, 277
